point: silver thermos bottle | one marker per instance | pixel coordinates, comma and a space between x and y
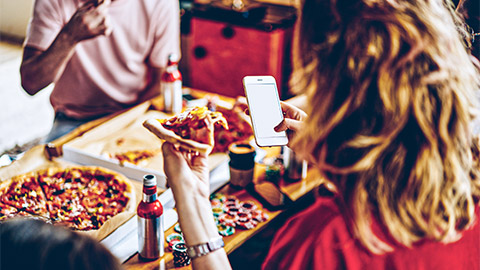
150, 221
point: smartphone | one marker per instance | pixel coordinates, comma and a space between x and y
265, 111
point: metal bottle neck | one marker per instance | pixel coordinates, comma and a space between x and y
151, 197
171, 68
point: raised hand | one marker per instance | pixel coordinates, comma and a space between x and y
90, 20
187, 173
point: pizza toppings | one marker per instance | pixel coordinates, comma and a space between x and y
194, 123
7, 211
239, 128
192, 130
133, 157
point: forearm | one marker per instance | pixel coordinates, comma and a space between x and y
198, 226
41, 69
189, 182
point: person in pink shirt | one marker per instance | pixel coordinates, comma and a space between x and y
102, 56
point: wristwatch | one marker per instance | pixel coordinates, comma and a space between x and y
205, 248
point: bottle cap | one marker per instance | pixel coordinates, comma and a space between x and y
173, 59
149, 180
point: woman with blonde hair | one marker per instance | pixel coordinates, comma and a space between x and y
392, 93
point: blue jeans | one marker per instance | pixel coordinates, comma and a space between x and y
63, 125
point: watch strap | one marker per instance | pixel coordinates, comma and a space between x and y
205, 248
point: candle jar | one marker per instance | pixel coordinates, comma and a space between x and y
242, 163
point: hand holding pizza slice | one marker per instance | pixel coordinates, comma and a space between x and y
192, 130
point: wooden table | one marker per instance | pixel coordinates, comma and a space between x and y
293, 190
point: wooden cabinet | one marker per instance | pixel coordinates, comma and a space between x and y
221, 54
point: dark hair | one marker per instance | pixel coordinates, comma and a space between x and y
34, 244
470, 10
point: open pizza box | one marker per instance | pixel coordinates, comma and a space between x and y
118, 234
121, 136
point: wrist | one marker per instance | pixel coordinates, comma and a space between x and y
191, 196
199, 250
67, 37
196, 220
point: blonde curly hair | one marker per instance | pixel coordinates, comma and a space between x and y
392, 94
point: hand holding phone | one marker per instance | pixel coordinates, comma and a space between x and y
265, 110
294, 119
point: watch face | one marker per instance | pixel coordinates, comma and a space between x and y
191, 252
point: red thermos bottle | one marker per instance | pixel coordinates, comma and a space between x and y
171, 86
150, 221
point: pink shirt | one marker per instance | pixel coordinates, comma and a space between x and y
108, 73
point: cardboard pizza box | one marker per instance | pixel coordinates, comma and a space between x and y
125, 134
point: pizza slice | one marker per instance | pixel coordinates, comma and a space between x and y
62, 188
24, 193
106, 195
134, 156
134, 148
7, 211
192, 130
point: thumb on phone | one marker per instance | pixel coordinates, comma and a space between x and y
289, 124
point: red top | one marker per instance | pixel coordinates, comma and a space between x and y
317, 238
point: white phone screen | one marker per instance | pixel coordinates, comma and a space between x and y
265, 108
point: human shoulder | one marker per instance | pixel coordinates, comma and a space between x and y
61, 10
155, 6
58, 4
318, 233
323, 214
321, 224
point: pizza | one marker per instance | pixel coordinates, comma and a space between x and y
134, 156
192, 129
82, 198
131, 149
239, 128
